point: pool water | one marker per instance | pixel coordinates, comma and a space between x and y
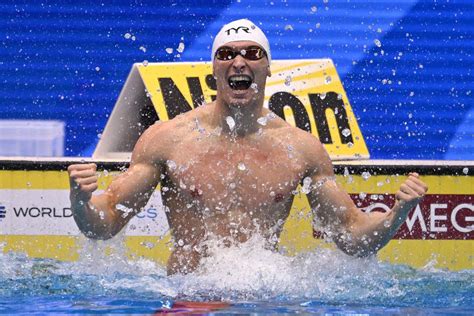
249, 277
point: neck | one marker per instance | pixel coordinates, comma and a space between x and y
238, 121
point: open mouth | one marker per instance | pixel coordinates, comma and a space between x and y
240, 82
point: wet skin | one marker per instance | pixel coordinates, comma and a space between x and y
230, 181
230, 188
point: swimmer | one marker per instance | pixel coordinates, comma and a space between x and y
229, 169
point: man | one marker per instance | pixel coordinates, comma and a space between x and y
228, 170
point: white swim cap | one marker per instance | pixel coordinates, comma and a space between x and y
241, 30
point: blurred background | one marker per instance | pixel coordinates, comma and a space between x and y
407, 66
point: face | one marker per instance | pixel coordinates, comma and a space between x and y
241, 81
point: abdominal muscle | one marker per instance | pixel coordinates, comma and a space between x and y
196, 228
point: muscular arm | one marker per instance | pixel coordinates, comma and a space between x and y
354, 231
103, 216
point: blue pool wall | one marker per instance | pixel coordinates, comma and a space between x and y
407, 66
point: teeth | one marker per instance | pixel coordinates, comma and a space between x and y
240, 78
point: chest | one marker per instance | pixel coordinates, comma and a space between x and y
253, 174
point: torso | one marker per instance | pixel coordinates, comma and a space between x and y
233, 187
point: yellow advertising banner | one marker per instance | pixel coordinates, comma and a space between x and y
35, 215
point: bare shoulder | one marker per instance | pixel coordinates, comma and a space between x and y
309, 148
158, 140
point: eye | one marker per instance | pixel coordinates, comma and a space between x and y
224, 54
255, 53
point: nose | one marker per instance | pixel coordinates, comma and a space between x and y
239, 64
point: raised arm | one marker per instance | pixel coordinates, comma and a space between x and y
103, 216
354, 231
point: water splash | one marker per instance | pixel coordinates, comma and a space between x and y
246, 272
230, 122
180, 48
254, 87
262, 120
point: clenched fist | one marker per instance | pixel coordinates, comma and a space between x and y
411, 191
83, 181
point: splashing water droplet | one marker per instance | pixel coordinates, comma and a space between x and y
262, 120
145, 63
465, 170
378, 43
339, 96
241, 166
143, 49
125, 210
366, 175
271, 116
148, 245
288, 80
314, 9
346, 132
127, 35
322, 96
289, 148
328, 80
346, 172
180, 243
230, 122
254, 87
171, 164
97, 68
288, 27
306, 188
169, 50
362, 195
180, 48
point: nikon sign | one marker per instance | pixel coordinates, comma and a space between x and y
306, 93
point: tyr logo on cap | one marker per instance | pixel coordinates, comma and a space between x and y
243, 28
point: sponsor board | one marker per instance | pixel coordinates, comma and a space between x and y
35, 217
437, 217
306, 93
47, 212
440, 216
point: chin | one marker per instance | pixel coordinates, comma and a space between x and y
241, 102
238, 104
